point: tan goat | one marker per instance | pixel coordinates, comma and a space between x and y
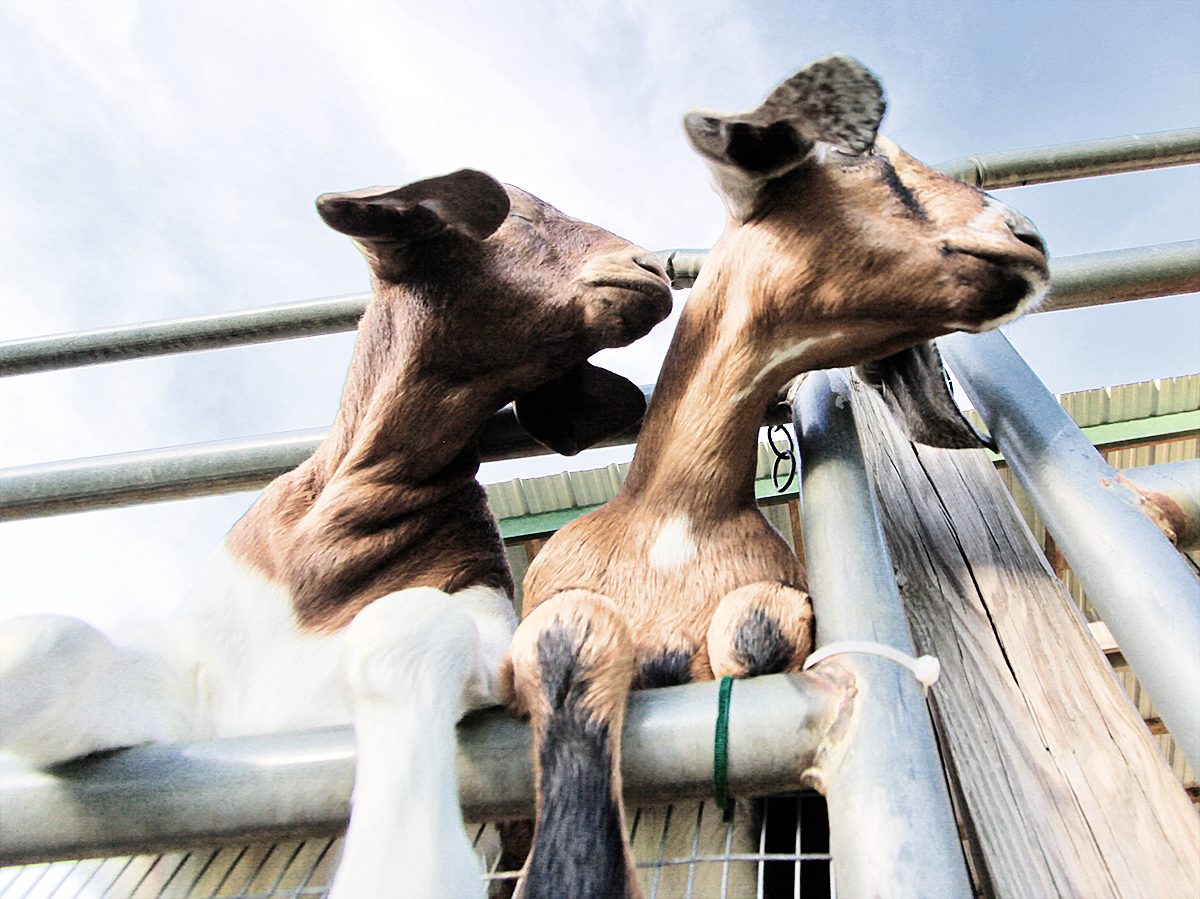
370, 584
839, 250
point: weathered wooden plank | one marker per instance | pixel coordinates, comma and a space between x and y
1065, 790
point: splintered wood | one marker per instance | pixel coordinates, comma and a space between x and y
1061, 789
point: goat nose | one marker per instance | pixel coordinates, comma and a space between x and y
650, 263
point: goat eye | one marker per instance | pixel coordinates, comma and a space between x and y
523, 218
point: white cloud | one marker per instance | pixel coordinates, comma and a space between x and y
161, 159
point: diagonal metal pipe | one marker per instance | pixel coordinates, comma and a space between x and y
892, 829
1143, 589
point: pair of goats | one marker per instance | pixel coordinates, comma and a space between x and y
369, 585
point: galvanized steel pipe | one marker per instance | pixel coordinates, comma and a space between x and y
1116, 276
1108, 156
1143, 589
1089, 279
182, 335
892, 830
124, 479
154, 798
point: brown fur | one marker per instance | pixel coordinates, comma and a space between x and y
458, 327
600, 665
823, 263
830, 256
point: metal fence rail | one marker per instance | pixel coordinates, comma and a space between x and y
249, 463
1139, 583
182, 335
154, 798
855, 598
313, 317
1077, 160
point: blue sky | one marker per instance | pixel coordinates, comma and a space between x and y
161, 160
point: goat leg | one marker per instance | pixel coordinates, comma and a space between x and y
761, 628
412, 658
569, 669
70, 691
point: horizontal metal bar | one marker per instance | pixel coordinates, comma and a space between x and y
148, 476
892, 830
221, 466
1143, 589
1061, 162
228, 466
182, 335
309, 318
1117, 276
155, 798
312, 317
1089, 279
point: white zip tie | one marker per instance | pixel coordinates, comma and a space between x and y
925, 669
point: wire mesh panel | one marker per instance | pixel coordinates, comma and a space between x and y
767, 849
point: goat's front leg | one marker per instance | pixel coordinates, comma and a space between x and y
761, 628
417, 660
569, 669
68, 690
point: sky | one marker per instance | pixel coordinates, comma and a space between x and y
160, 159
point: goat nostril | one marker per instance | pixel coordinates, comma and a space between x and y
1024, 231
651, 263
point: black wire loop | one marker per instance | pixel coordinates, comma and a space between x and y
787, 454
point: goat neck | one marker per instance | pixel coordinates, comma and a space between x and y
403, 418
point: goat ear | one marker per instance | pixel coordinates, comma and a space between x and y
916, 389
757, 149
472, 203
835, 100
580, 408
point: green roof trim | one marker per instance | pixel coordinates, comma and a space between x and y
1156, 429
1114, 435
540, 524
1173, 426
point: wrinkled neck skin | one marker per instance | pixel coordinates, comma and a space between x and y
401, 417
396, 471
698, 449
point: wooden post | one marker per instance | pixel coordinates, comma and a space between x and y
1061, 787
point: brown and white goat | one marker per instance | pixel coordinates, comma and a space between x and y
839, 250
370, 584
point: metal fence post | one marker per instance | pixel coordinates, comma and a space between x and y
892, 829
1143, 589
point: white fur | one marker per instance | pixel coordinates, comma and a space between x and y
235, 663
784, 355
675, 544
416, 663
